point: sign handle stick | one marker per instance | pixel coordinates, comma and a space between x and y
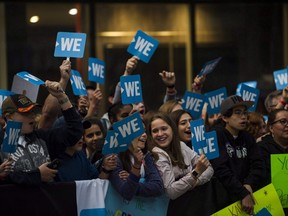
68, 58
97, 86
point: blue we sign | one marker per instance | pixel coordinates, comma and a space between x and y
281, 78
197, 132
252, 84
96, 70
129, 128
70, 44
204, 142
77, 83
131, 89
211, 150
214, 99
3, 95
112, 145
143, 46
193, 103
250, 94
209, 66
11, 136
30, 78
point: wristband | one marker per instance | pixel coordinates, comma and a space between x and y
106, 171
282, 102
63, 101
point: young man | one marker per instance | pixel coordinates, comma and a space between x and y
37, 146
239, 166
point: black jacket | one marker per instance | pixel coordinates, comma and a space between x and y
268, 146
239, 162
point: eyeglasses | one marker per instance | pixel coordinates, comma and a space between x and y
283, 122
240, 113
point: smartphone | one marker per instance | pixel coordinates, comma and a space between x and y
55, 164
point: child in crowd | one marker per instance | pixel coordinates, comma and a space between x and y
239, 167
180, 167
136, 173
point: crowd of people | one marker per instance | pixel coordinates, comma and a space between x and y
161, 160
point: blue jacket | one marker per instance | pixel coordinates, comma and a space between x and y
76, 167
150, 187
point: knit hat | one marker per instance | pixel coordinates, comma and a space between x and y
17, 103
232, 102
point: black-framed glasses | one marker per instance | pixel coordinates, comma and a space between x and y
283, 122
240, 113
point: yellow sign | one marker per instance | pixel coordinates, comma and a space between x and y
279, 176
266, 197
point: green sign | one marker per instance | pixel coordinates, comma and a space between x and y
279, 176
266, 197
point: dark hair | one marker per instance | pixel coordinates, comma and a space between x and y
125, 157
95, 121
169, 105
114, 109
229, 112
174, 149
176, 115
272, 115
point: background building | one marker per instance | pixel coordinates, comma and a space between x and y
250, 37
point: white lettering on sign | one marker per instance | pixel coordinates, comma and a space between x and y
113, 142
199, 133
13, 134
129, 128
143, 46
30, 76
98, 70
249, 96
132, 88
78, 82
193, 104
210, 143
71, 44
2, 98
216, 100
282, 78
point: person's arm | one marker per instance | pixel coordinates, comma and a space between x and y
109, 163
173, 188
223, 172
94, 103
33, 177
51, 108
284, 100
153, 185
128, 187
169, 80
257, 171
131, 65
197, 85
58, 139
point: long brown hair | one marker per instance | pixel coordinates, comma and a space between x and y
174, 149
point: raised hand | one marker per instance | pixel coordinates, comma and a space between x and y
168, 78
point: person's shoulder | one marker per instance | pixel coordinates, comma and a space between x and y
265, 138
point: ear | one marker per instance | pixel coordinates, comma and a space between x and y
225, 118
271, 129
